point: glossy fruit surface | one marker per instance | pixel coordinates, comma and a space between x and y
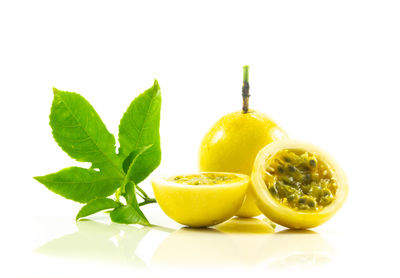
297, 184
232, 144
200, 200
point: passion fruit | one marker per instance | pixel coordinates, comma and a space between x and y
232, 143
297, 184
201, 200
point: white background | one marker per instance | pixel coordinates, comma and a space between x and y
326, 71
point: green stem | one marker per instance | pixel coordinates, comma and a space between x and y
245, 89
142, 191
118, 194
140, 195
246, 74
147, 201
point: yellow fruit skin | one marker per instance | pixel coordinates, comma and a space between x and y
232, 144
200, 205
286, 216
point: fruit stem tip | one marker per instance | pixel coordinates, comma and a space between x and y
246, 74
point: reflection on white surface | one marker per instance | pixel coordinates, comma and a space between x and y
247, 225
246, 242
297, 248
94, 241
237, 242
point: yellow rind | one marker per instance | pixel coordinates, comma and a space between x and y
232, 144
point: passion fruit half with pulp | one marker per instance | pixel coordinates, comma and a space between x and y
201, 200
297, 184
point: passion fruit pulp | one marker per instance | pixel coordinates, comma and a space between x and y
297, 184
232, 143
300, 180
201, 200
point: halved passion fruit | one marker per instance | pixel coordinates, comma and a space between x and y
200, 200
297, 184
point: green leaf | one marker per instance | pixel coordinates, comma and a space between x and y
80, 132
129, 215
133, 157
139, 127
135, 167
97, 205
80, 184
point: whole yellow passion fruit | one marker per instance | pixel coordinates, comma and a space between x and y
232, 144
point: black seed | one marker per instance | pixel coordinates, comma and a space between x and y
312, 163
273, 191
302, 200
326, 192
291, 168
311, 203
280, 169
291, 197
288, 180
307, 178
287, 159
